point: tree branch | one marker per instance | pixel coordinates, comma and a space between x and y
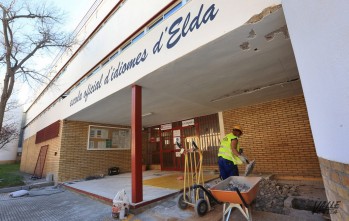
26, 29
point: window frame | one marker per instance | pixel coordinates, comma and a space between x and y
112, 129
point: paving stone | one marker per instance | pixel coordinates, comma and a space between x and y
60, 206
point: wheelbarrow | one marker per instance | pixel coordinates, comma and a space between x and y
231, 198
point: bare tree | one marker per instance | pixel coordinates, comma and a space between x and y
26, 30
10, 130
8, 133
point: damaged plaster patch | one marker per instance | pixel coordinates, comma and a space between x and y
245, 46
252, 34
252, 90
283, 30
264, 13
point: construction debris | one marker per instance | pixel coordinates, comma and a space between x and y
242, 187
95, 177
272, 195
19, 193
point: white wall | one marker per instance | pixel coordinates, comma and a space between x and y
132, 15
319, 33
232, 14
9, 151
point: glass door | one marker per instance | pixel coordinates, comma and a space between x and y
168, 155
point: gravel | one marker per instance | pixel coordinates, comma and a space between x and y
272, 195
241, 186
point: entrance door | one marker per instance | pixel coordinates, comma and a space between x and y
168, 153
162, 147
40, 163
171, 158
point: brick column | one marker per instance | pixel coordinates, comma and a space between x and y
336, 180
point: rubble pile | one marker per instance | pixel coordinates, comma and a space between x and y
272, 195
233, 183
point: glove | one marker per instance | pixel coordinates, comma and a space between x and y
243, 159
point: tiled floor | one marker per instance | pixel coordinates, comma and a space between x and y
108, 187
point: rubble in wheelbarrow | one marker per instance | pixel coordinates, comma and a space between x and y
233, 183
272, 195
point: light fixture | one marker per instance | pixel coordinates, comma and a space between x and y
147, 114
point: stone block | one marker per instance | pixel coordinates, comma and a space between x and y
346, 169
345, 180
343, 192
337, 166
334, 176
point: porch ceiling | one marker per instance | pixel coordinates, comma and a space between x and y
242, 67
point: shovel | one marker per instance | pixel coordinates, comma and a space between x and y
249, 166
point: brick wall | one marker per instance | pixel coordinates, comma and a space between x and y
30, 153
76, 162
277, 135
336, 180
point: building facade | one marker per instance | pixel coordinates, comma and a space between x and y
10, 150
149, 74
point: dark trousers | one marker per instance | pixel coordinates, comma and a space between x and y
227, 168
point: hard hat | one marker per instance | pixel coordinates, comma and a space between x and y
238, 127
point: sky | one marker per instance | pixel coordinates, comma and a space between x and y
75, 11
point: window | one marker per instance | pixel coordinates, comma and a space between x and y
138, 37
173, 10
108, 138
93, 72
155, 23
114, 55
105, 62
126, 46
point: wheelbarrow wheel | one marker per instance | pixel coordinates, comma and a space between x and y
201, 207
182, 202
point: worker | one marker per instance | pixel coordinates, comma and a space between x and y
229, 155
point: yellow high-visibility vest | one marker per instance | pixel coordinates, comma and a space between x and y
225, 149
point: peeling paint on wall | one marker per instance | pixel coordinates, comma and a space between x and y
245, 46
264, 13
283, 30
252, 90
252, 34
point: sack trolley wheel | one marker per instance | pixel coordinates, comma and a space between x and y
183, 201
201, 207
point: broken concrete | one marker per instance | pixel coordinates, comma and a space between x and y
252, 34
283, 30
272, 195
235, 184
245, 46
253, 90
264, 13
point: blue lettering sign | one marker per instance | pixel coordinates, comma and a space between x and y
178, 29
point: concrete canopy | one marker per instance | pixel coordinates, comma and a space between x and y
251, 64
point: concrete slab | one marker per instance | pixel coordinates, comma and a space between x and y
109, 186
